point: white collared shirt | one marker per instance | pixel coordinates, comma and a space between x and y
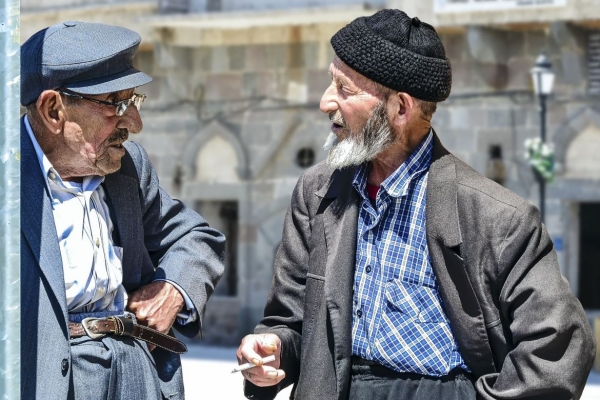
92, 264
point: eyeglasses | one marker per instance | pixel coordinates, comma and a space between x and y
121, 106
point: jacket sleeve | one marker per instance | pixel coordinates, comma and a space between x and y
285, 304
183, 247
553, 348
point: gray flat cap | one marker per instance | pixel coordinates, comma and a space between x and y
87, 58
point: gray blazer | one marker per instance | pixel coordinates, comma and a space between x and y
518, 327
161, 238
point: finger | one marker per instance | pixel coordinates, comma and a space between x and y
273, 378
268, 345
133, 302
280, 375
261, 380
263, 372
248, 353
140, 313
161, 325
263, 383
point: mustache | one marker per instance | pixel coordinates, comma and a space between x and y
119, 136
337, 118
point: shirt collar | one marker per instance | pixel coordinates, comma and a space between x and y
397, 183
90, 183
43, 161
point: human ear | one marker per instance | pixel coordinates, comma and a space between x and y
51, 110
402, 107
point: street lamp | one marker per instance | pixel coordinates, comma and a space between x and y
543, 80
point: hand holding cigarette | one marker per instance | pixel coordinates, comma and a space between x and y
249, 365
264, 352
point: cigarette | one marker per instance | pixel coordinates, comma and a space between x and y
249, 365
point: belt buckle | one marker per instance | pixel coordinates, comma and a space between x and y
88, 331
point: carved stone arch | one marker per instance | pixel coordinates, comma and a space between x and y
215, 128
581, 160
572, 128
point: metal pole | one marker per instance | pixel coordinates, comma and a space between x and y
10, 195
543, 135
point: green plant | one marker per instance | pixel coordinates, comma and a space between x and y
541, 158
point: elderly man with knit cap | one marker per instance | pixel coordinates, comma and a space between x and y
403, 273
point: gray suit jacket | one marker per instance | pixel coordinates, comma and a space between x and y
518, 327
161, 238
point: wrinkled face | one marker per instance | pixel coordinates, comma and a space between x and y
360, 128
94, 134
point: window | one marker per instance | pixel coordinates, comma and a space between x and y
305, 157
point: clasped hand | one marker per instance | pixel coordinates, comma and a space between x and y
156, 305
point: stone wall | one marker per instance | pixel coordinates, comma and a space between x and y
220, 325
251, 87
248, 5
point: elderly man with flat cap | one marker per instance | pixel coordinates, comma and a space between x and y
402, 272
109, 262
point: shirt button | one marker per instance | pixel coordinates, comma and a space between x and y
64, 365
368, 269
359, 313
52, 175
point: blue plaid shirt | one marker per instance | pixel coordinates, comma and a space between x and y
398, 318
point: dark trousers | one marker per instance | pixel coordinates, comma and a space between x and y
376, 382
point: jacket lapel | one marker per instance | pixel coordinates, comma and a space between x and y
340, 222
444, 241
37, 222
122, 193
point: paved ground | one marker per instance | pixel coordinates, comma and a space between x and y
207, 375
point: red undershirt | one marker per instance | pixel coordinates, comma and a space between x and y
372, 191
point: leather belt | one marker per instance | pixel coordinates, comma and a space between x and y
123, 326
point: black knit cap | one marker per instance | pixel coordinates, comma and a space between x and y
398, 52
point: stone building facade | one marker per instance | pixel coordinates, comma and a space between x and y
232, 116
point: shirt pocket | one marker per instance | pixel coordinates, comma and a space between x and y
420, 303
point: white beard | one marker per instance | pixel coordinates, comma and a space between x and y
346, 153
355, 150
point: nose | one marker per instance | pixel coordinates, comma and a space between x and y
131, 120
328, 102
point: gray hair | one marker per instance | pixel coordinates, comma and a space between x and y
428, 108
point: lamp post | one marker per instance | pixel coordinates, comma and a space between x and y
543, 80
